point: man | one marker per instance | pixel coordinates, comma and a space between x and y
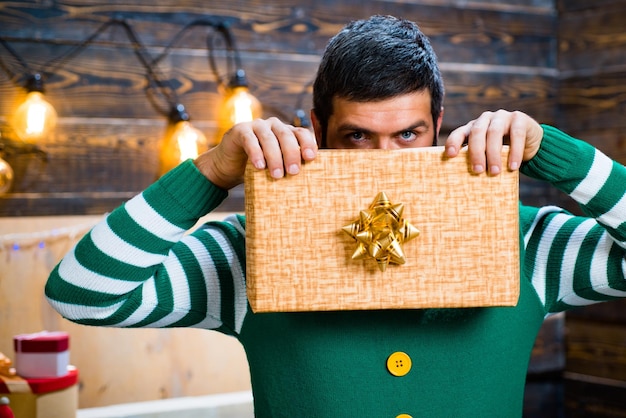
378, 86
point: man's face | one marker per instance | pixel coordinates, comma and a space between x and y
400, 122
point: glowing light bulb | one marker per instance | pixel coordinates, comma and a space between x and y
187, 140
6, 176
238, 105
241, 106
35, 118
182, 143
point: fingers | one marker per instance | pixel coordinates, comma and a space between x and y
518, 139
485, 143
457, 137
278, 147
485, 137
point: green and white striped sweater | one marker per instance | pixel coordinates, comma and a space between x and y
139, 268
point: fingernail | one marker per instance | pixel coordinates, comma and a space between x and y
450, 150
259, 164
494, 169
309, 154
514, 165
277, 173
478, 168
293, 169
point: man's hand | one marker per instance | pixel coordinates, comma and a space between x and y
485, 137
267, 143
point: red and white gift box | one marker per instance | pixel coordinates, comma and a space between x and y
42, 355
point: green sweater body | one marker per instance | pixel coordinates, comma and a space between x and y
465, 362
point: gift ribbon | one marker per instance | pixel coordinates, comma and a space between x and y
13, 384
16, 384
45, 341
380, 232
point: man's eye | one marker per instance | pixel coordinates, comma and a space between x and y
357, 136
407, 136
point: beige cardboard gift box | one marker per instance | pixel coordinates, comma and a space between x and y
299, 256
54, 397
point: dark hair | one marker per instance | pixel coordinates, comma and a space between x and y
376, 59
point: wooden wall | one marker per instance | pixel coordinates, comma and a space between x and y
493, 55
560, 61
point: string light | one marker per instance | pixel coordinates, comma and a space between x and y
36, 118
238, 105
182, 142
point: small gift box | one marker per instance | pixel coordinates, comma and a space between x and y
55, 397
42, 354
377, 229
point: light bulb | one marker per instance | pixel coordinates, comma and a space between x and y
184, 142
244, 106
35, 118
187, 140
238, 106
6, 176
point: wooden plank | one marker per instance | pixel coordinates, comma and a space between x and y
468, 94
477, 34
90, 157
595, 103
596, 348
609, 312
585, 397
586, 5
594, 41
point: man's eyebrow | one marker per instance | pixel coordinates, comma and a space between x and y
418, 124
348, 127
353, 128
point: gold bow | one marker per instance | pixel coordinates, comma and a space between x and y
380, 232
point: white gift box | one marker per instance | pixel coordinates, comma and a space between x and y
43, 354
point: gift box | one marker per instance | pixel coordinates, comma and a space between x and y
42, 354
379, 229
55, 397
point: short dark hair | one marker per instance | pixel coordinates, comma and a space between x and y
376, 59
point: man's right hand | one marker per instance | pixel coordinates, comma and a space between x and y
268, 143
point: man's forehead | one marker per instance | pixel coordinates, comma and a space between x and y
395, 113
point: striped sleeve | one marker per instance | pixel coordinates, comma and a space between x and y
140, 268
577, 260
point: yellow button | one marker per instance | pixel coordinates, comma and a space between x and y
404, 416
399, 363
